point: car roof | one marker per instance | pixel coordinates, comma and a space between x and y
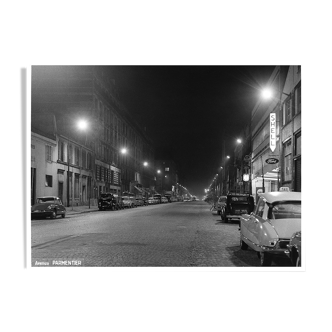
277, 196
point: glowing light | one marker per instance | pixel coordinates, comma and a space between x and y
82, 124
124, 151
267, 94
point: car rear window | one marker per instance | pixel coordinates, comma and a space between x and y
239, 199
285, 210
45, 200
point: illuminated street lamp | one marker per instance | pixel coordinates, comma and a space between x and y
145, 163
81, 125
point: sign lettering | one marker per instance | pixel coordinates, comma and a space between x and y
273, 136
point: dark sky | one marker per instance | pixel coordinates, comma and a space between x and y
187, 108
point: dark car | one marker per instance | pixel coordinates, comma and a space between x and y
109, 201
236, 205
48, 206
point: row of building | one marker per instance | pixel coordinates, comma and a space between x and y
269, 154
110, 153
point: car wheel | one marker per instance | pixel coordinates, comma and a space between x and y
63, 215
53, 216
298, 261
243, 245
265, 259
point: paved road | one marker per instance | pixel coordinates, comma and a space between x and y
176, 234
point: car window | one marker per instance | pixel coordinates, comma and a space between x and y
260, 208
239, 199
45, 200
285, 210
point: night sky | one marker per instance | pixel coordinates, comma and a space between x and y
185, 110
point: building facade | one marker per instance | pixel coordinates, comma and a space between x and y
273, 157
70, 94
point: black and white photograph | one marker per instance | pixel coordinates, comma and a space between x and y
176, 166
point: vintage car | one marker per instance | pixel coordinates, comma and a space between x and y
269, 228
164, 199
221, 203
127, 202
236, 205
48, 206
294, 249
139, 201
151, 201
109, 201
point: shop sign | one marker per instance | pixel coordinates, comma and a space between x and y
273, 134
272, 161
246, 158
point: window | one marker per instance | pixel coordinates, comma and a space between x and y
298, 99
61, 151
70, 148
48, 181
287, 111
48, 152
88, 160
298, 144
287, 160
77, 155
83, 158
76, 186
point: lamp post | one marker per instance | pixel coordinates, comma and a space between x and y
81, 125
123, 152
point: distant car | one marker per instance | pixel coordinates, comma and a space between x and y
109, 201
164, 199
127, 202
236, 205
221, 204
139, 202
294, 249
268, 230
48, 206
151, 201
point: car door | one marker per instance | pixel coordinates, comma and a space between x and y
255, 221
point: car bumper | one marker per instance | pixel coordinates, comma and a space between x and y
234, 216
41, 214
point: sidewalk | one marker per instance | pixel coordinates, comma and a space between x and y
80, 209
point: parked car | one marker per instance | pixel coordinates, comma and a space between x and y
157, 198
48, 206
294, 249
151, 201
127, 202
235, 206
221, 203
139, 201
109, 201
164, 199
269, 228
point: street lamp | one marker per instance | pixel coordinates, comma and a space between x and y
81, 125
123, 151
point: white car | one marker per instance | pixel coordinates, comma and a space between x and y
269, 228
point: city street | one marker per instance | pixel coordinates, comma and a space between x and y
180, 234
